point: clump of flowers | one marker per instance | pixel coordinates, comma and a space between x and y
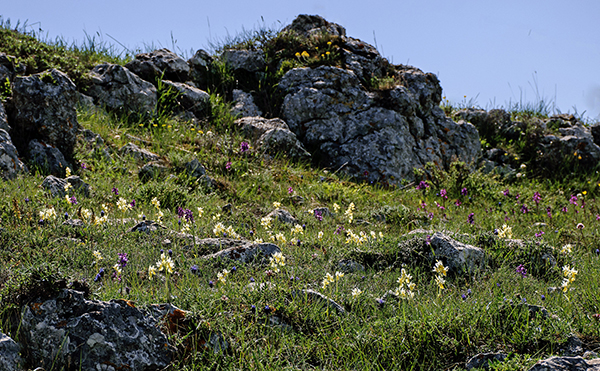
297, 229
222, 276
336, 208
471, 218
356, 292
48, 214
123, 205
97, 257
276, 204
350, 212
276, 261
165, 264
266, 222
441, 272
244, 147
405, 289
329, 279
505, 232
567, 249
358, 239
568, 277
422, 185
522, 270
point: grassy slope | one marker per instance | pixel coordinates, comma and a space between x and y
437, 329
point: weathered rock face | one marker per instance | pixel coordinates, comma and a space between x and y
247, 253
283, 216
273, 137
244, 105
56, 186
47, 157
3, 120
567, 364
459, 257
138, 153
380, 135
10, 360
118, 89
10, 164
191, 99
309, 25
44, 109
245, 60
162, 62
200, 68
75, 333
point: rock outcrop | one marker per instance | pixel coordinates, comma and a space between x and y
161, 63
10, 164
74, 333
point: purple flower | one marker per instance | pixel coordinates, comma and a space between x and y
188, 215
428, 240
524, 209
83, 166
537, 198
422, 185
521, 270
339, 229
543, 297
539, 234
251, 279
73, 200
430, 216
506, 192
457, 203
319, 215
244, 147
132, 203
99, 276
115, 190
443, 194
170, 252
26, 199
290, 190
267, 309
471, 218
123, 259
463, 191
573, 200
211, 284
194, 269
549, 212
464, 297
228, 165
564, 209
517, 196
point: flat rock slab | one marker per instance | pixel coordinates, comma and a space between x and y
9, 354
247, 253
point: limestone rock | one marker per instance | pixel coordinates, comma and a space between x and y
200, 67
247, 253
137, 153
47, 157
282, 142
56, 186
482, 360
567, 364
195, 169
152, 170
159, 63
10, 164
44, 109
245, 60
350, 266
244, 105
118, 89
10, 360
459, 257
382, 136
3, 119
146, 226
191, 98
283, 216
254, 127
71, 332
309, 25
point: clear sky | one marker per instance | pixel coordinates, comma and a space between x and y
494, 52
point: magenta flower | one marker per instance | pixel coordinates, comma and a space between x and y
539, 234
573, 200
463, 191
422, 185
506, 192
471, 218
73, 200
115, 190
228, 165
443, 194
524, 209
537, 197
123, 259
458, 203
244, 147
521, 270
290, 190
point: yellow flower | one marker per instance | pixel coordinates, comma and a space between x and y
156, 202
276, 204
327, 53
338, 275
165, 264
440, 269
320, 235
297, 55
305, 54
297, 229
151, 272
67, 172
440, 282
336, 207
266, 222
328, 42
200, 212
356, 292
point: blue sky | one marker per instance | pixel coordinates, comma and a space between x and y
494, 52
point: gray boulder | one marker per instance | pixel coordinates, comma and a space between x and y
10, 359
191, 98
200, 68
93, 143
47, 157
195, 170
482, 360
282, 142
56, 186
44, 109
74, 333
254, 127
10, 164
245, 60
567, 364
152, 170
459, 257
159, 63
244, 105
313, 25
118, 89
146, 226
283, 216
382, 135
137, 153
3, 119
247, 253
363, 59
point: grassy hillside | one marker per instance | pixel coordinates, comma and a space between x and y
439, 327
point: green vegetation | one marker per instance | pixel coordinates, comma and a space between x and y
437, 328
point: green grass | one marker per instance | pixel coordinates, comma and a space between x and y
437, 329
